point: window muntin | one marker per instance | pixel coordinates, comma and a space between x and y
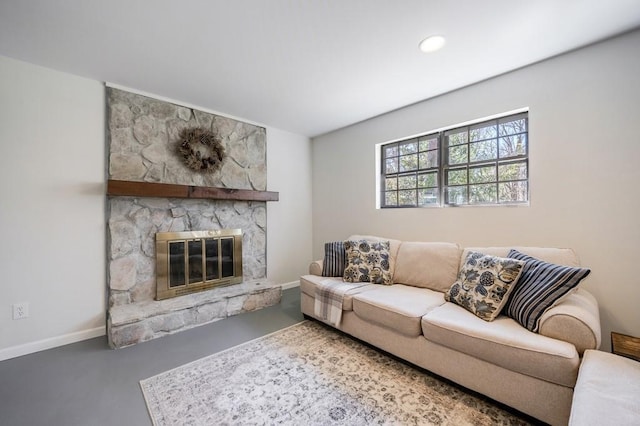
481, 164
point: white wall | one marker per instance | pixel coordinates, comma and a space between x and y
584, 171
52, 181
289, 241
52, 166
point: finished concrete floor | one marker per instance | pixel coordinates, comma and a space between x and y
87, 384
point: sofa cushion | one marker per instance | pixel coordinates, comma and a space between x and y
335, 259
561, 256
367, 261
308, 286
540, 287
607, 391
484, 283
502, 342
398, 307
428, 265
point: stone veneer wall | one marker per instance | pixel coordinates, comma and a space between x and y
142, 142
134, 222
142, 139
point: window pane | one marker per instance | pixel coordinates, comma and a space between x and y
408, 148
408, 162
457, 177
481, 194
513, 192
428, 159
512, 127
457, 195
481, 151
513, 171
458, 154
511, 146
391, 183
428, 143
391, 198
407, 182
483, 163
428, 180
482, 174
391, 151
457, 138
407, 198
427, 197
481, 133
391, 166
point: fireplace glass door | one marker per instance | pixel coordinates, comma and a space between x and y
205, 259
196, 261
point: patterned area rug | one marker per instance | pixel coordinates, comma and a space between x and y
309, 374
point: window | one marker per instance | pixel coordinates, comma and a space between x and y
485, 163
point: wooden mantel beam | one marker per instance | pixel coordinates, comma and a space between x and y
127, 188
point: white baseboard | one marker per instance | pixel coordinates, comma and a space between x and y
52, 342
292, 284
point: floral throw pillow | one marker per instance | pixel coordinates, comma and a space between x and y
367, 261
484, 283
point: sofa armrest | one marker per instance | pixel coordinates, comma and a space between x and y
315, 268
576, 320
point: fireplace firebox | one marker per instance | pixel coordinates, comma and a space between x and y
188, 262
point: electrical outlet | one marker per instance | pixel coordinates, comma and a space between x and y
20, 310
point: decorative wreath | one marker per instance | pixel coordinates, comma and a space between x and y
201, 150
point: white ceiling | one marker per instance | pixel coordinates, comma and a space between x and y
304, 66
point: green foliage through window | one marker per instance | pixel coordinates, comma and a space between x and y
482, 164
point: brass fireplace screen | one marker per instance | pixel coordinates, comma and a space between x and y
188, 262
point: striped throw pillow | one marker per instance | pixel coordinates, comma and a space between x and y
539, 288
335, 259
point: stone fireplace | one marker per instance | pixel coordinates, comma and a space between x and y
142, 133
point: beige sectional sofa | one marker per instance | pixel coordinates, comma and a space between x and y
532, 372
607, 391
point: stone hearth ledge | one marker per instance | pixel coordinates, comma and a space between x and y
138, 322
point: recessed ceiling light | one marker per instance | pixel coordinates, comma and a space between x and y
432, 43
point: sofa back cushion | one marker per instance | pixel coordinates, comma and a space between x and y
427, 265
559, 256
